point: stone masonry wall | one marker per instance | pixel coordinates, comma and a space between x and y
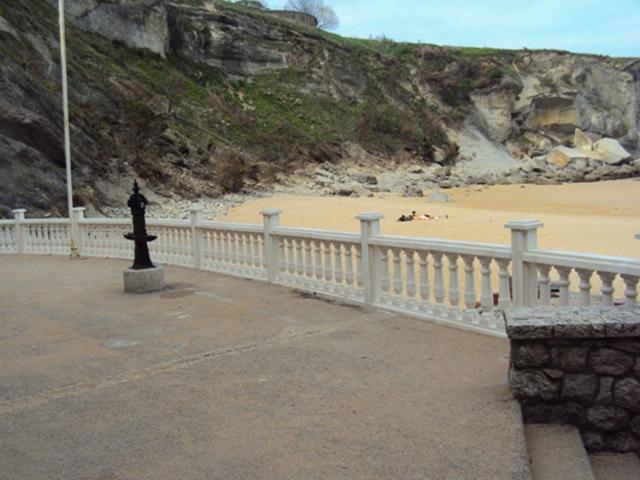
579, 367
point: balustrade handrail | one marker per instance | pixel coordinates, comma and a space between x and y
587, 261
230, 227
442, 246
317, 234
104, 221
46, 221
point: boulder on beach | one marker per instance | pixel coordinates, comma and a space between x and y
562, 156
438, 197
611, 151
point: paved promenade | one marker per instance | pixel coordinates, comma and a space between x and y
224, 378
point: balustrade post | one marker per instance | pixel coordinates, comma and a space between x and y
75, 227
196, 216
21, 239
544, 284
370, 227
271, 219
524, 237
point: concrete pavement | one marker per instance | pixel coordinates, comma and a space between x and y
224, 378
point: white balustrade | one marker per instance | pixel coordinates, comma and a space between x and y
51, 237
416, 276
317, 260
8, 243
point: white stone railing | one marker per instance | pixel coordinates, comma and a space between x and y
457, 283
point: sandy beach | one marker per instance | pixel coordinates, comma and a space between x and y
583, 217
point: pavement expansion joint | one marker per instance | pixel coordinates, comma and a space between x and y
13, 406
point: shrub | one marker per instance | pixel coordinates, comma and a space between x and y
232, 171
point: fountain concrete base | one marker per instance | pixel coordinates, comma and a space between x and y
143, 281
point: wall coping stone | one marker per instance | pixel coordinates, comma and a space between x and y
572, 322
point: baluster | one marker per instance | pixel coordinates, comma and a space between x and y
423, 259
469, 282
585, 286
48, 242
166, 233
245, 252
607, 288
53, 241
253, 257
299, 261
564, 283
231, 245
291, 260
282, 258
486, 295
227, 242
260, 257
224, 253
308, 259
206, 245
384, 275
237, 253
174, 234
397, 276
249, 251
338, 268
544, 284
504, 289
32, 239
411, 279
216, 252
41, 241
224, 250
438, 290
454, 283
348, 260
359, 277
43, 238
177, 250
328, 268
317, 253
631, 292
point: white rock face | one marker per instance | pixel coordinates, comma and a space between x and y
494, 114
563, 92
483, 155
611, 151
582, 141
137, 23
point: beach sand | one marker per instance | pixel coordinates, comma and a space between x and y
598, 217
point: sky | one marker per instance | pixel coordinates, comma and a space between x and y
606, 27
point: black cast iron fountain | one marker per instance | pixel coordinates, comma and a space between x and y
137, 203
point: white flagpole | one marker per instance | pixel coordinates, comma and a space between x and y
67, 140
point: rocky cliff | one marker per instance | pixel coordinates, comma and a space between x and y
201, 97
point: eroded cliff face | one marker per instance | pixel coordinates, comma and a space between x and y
138, 23
165, 90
